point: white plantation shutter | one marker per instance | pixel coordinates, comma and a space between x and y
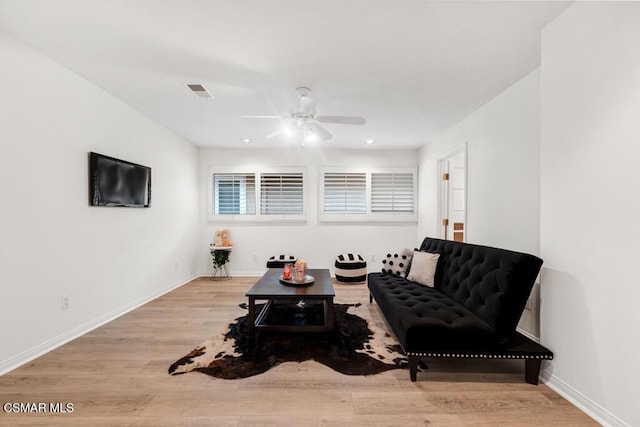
234, 194
345, 193
278, 194
281, 193
392, 193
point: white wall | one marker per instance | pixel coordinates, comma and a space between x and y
590, 206
503, 175
317, 242
52, 242
502, 170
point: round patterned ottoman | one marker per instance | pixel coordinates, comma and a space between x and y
351, 268
278, 261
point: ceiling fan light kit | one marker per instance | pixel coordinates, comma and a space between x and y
304, 121
309, 135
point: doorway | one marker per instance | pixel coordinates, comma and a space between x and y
453, 196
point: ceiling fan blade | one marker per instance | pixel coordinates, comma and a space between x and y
343, 120
287, 129
261, 117
320, 131
275, 133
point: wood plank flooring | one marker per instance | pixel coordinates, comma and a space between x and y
117, 375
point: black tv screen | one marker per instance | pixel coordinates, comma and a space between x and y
115, 182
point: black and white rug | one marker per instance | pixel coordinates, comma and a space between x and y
354, 347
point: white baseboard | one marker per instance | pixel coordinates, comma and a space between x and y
582, 402
45, 347
237, 274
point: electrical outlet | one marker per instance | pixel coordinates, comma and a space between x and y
255, 257
373, 258
175, 265
65, 302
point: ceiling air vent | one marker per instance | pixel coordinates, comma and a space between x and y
199, 90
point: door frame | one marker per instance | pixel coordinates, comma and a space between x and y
443, 190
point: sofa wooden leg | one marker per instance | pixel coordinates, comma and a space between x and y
370, 298
532, 370
413, 367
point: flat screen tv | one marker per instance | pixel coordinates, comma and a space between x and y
115, 182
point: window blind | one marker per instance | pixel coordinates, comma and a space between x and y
345, 193
234, 194
392, 192
281, 193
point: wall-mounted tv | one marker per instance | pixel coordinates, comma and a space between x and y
115, 182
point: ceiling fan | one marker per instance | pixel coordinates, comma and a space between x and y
303, 120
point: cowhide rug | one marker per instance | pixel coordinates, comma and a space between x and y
354, 347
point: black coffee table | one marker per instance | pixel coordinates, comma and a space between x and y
305, 318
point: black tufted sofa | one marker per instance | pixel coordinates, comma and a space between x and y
473, 309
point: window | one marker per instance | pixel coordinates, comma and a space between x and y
281, 194
345, 193
385, 194
392, 192
260, 195
234, 194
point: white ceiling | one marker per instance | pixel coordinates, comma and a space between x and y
411, 68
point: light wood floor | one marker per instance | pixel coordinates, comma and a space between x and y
117, 375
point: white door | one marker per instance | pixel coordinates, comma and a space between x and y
453, 196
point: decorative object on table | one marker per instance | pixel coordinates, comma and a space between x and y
356, 346
226, 238
278, 261
350, 268
306, 280
218, 239
287, 271
300, 271
296, 275
398, 264
220, 256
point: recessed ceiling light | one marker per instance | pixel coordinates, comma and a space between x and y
369, 141
199, 90
246, 141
